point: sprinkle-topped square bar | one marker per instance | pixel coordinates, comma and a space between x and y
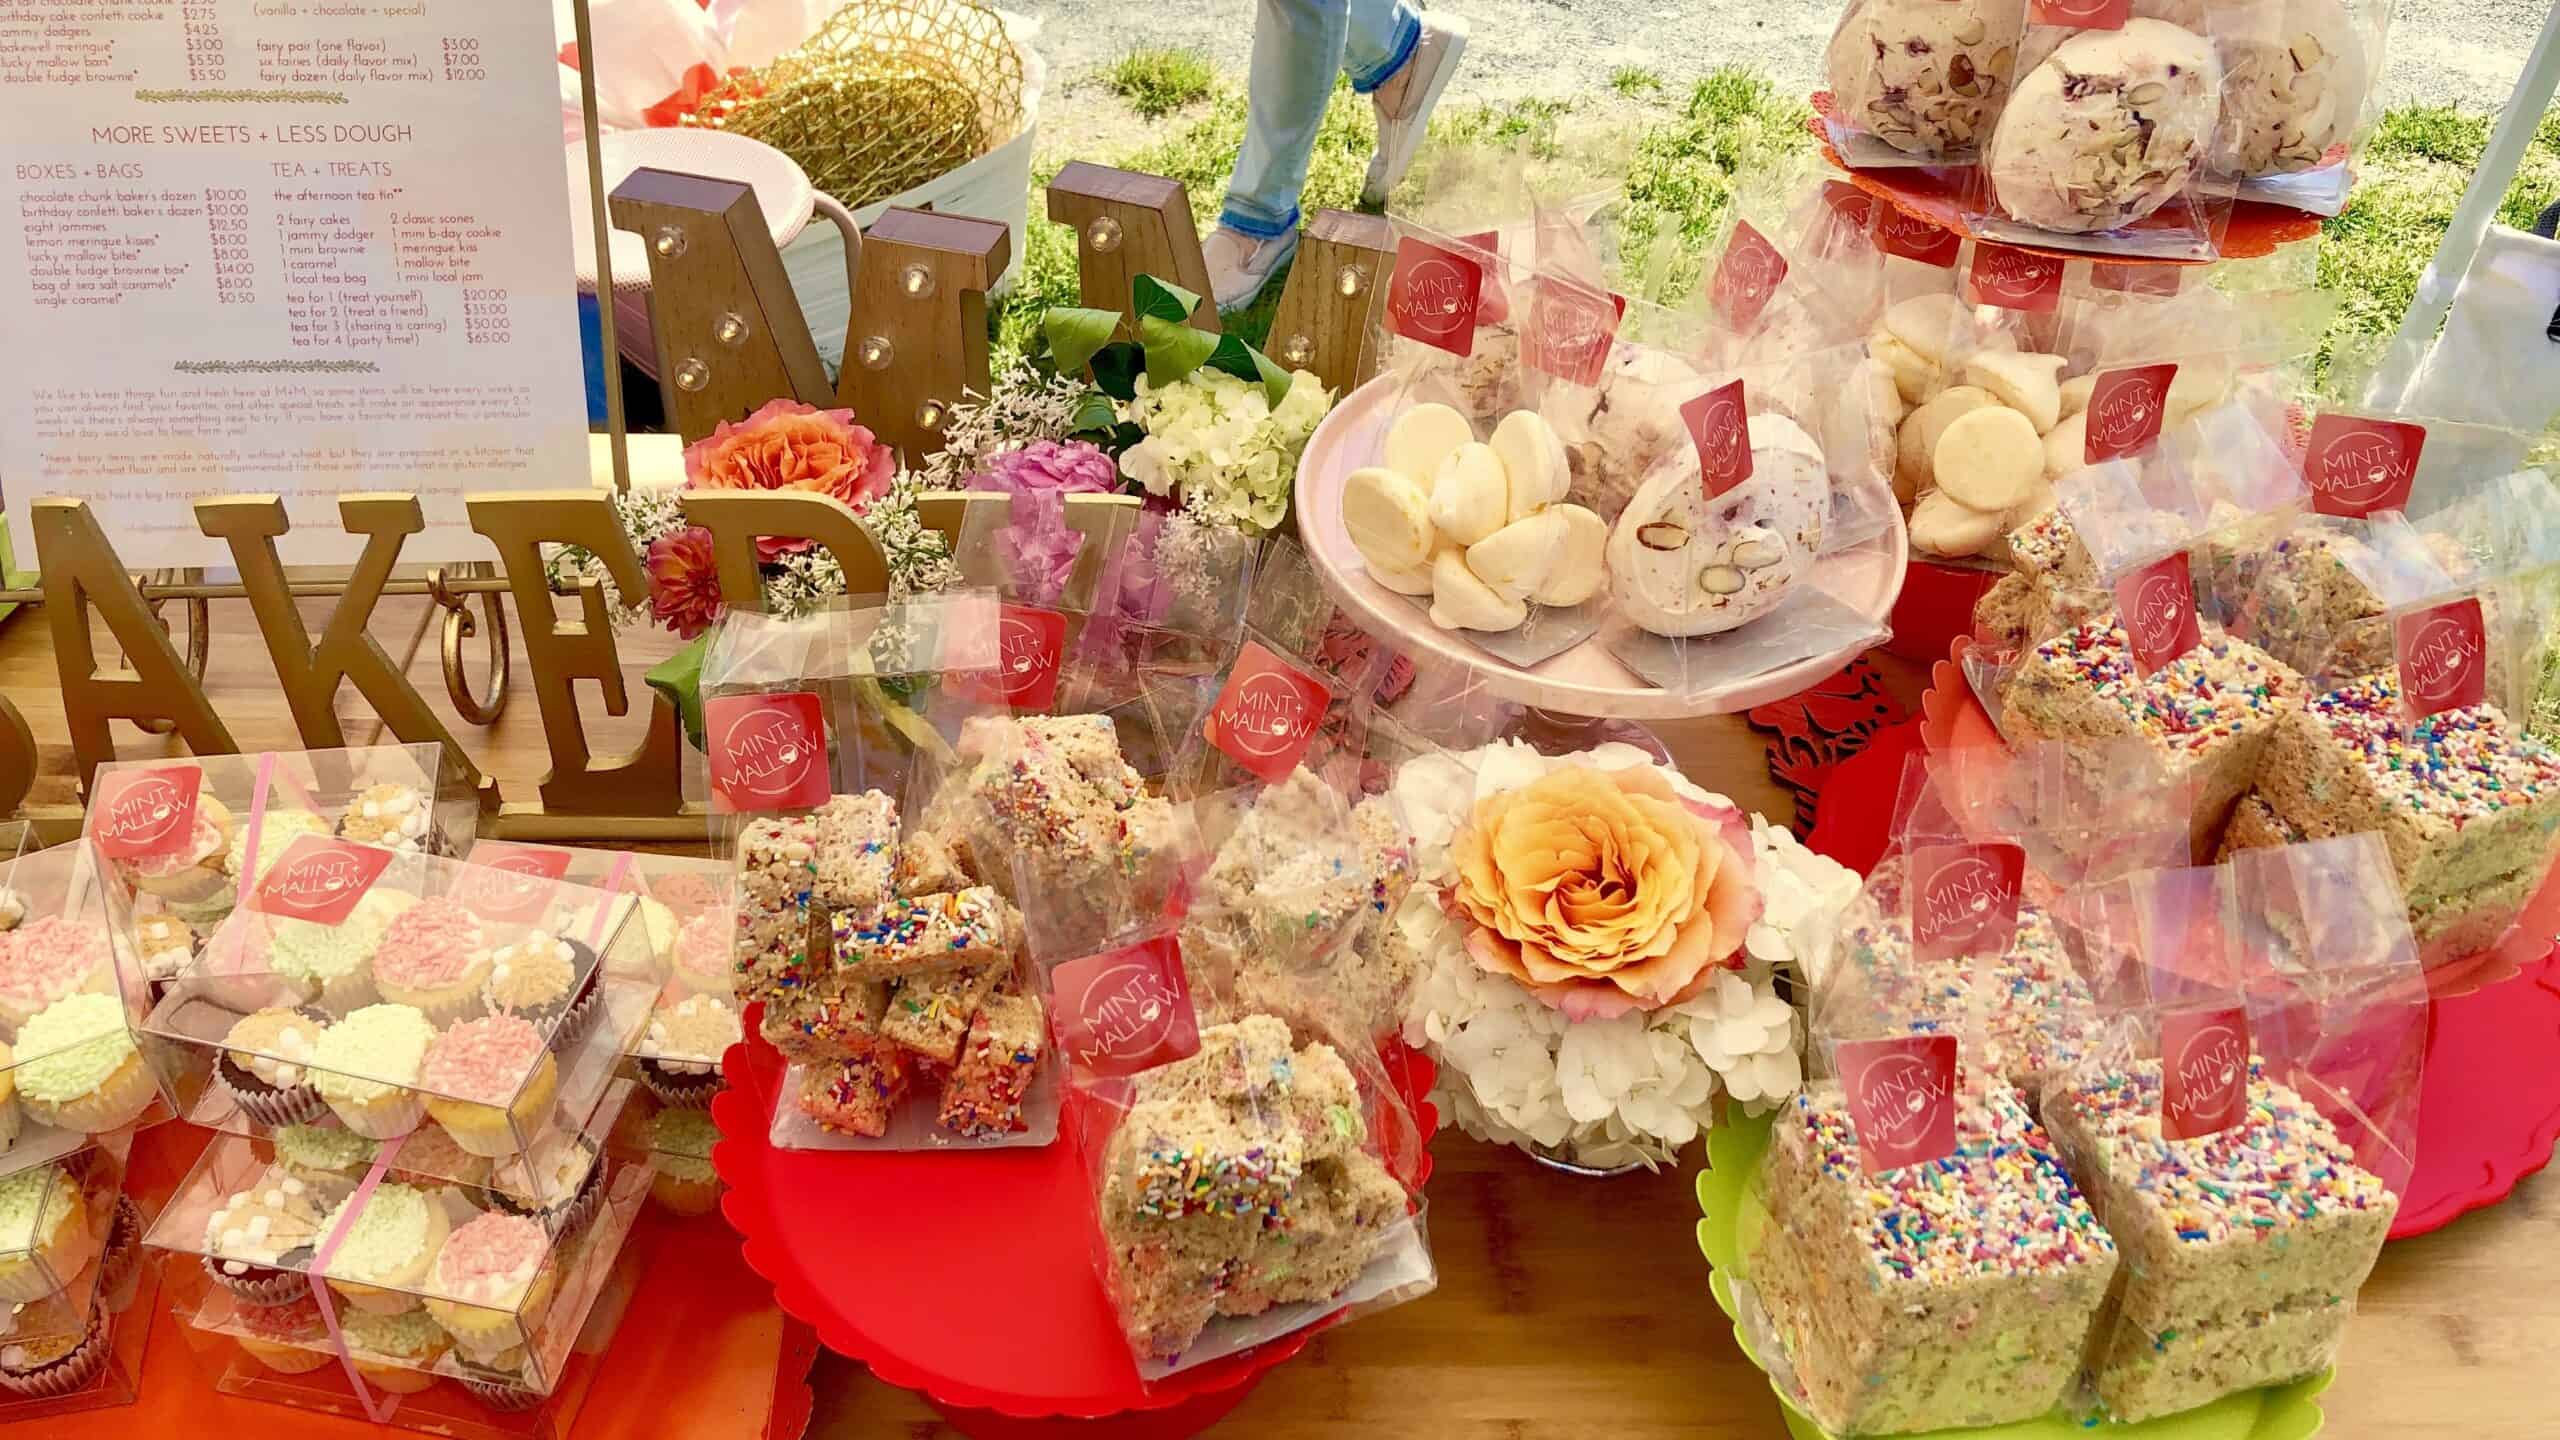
1958, 1291
2209, 712
2242, 1248
957, 930
2465, 800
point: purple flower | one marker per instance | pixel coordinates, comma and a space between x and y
1039, 550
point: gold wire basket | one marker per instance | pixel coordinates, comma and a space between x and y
887, 95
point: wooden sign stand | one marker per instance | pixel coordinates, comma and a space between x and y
1328, 315
918, 338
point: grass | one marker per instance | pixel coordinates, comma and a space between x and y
1158, 82
1634, 80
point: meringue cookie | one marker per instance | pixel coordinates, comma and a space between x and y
2023, 381
1470, 494
1581, 558
1460, 601
1421, 438
2107, 129
1682, 564
1516, 559
1917, 449
1940, 526
1389, 518
1925, 76
1989, 460
1533, 463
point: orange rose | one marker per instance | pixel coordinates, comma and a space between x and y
790, 446
1601, 891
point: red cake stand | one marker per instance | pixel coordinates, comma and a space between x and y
2491, 1111
968, 1276
1937, 195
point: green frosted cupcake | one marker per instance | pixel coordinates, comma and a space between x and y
395, 1353
383, 1259
325, 1158
680, 1144
335, 962
366, 1066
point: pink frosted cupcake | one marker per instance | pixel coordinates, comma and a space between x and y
490, 1083
433, 957
702, 963
45, 960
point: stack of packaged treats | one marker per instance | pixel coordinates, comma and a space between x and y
360, 996
331, 1282
1927, 1261
2248, 1168
176, 835
76, 1060
75, 1279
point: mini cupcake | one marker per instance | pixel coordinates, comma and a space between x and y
547, 980
432, 1156
335, 962
262, 1066
395, 1353
45, 1234
395, 817
166, 945
702, 950
290, 1339
680, 1144
385, 1255
330, 1160
277, 830
258, 1241
433, 957
684, 1047
192, 872
9, 1114
561, 1186
490, 1284
490, 1082
51, 1366
367, 1069
47, 959
82, 1070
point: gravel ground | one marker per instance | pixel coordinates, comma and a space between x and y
2464, 52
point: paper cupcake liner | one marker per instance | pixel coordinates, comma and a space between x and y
684, 1092
578, 1018
122, 1265
504, 1398
73, 1372
259, 1284
118, 1101
349, 992
570, 1216
270, 1105
387, 1119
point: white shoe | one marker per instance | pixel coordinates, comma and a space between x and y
1426, 73
1240, 264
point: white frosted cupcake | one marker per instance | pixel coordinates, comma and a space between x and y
366, 1067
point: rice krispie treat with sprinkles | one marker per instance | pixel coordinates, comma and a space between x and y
2466, 802
1957, 1291
985, 1092
2027, 1012
2208, 713
857, 846
858, 1095
777, 880
929, 1015
1052, 795
926, 933
1239, 1180
2242, 1248
835, 1019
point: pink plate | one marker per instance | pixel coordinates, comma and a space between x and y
1585, 680
965, 1275
2491, 1112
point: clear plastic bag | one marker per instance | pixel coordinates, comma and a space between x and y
1247, 1181
1920, 82
2106, 142
1712, 561
2247, 1128
2301, 94
1461, 503
1907, 1158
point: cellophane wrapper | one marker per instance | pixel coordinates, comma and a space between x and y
2249, 1121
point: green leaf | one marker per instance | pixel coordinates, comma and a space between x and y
1153, 299
1115, 370
679, 678
1094, 413
1076, 335
1173, 349
1252, 366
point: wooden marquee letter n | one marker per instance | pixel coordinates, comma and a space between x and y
81, 572
917, 340
1128, 225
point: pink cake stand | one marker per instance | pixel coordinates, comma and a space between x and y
1585, 681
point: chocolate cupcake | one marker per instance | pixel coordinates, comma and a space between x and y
263, 1063
560, 1185
56, 1365
395, 817
497, 1384
681, 1054
549, 980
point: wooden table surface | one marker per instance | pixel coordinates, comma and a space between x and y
1569, 1309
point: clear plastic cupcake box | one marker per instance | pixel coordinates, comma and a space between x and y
673, 889
383, 1293
75, 1060
72, 1269
359, 995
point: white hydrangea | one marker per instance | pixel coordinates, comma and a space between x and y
1633, 1090
1217, 442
